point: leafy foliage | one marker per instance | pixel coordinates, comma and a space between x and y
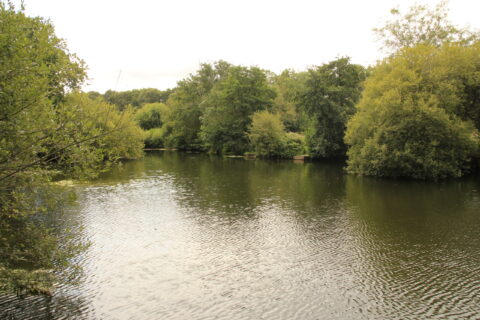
269, 139
35, 73
188, 105
229, 108
45, 133
422, 25
116, 134
294, 144
288, 86
137, 97
328, 100
267, 134
417, 115
155, 138
152, 115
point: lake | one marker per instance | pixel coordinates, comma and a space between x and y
192, 236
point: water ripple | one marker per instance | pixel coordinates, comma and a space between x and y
218, 239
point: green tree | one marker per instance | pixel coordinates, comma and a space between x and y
269, 139
43, 135
328, 101
422, 25
417, 115
35, 73
136, 97
188, 105
154, 118
117, 134
267, 134
152, 115
155, 138
94, 95
288, 86
229, 108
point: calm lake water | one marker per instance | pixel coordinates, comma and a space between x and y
188, 236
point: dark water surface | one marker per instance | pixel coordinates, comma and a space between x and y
188, 236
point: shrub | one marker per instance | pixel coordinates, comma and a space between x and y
154, 138
294, 144
419, 114
399, 134
267, 134
269, 139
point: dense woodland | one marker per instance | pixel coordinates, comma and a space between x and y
415, 114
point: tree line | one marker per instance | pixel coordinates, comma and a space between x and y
229, 109
415, 114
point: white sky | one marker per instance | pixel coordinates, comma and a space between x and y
156, 43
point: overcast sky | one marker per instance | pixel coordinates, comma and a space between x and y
153, 44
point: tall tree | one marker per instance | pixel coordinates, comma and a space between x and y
330, 94
229, 108
188, 104
288, 85
418, 113
36, 72
43, 134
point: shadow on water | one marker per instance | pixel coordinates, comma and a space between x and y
415, 212
417, 245
199, 236
62, 220
233, 186
42, 308
237, 186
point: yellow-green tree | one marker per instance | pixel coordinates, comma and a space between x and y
45, 134
422, 25
267, 134
419, 114
269, 139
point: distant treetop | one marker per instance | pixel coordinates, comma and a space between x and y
422, 25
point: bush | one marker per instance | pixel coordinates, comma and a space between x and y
119, 136
269, 139
417, 115
420, 142
267, 134
154, 138
294, 144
